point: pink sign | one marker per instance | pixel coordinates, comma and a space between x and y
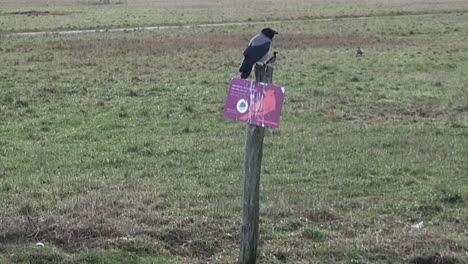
254, 103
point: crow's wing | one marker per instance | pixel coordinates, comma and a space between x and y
256, 53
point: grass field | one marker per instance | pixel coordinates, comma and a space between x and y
113, 147
50, 15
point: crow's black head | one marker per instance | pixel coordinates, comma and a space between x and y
270, 33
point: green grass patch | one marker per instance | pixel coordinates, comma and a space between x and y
314, 234
48, 254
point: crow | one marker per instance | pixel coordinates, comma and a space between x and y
359, 51
258, 50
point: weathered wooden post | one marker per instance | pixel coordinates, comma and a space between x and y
253, 162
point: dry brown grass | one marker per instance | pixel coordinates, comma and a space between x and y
203, 240
394, 113
119, 216
216, 43
196, 240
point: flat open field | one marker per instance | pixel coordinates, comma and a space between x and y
50, 15
114, 149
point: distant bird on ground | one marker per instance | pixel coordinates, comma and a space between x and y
359, 51
272, 60
258, 49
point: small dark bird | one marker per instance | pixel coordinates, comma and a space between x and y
272, 60
257, 50
359, 51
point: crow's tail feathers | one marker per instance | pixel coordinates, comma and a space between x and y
245, 69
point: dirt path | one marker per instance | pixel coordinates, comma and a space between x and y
129, 29
70, 32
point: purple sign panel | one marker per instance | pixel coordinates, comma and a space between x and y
254, 103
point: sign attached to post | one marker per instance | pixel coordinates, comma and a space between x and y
254, 103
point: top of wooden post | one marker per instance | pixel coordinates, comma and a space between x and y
263, 73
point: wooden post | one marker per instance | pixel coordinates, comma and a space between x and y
253, 162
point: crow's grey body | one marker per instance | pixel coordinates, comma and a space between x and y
258, 50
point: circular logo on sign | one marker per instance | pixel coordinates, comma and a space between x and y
242, 106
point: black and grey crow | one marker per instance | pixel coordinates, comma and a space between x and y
359, 51
258, 50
